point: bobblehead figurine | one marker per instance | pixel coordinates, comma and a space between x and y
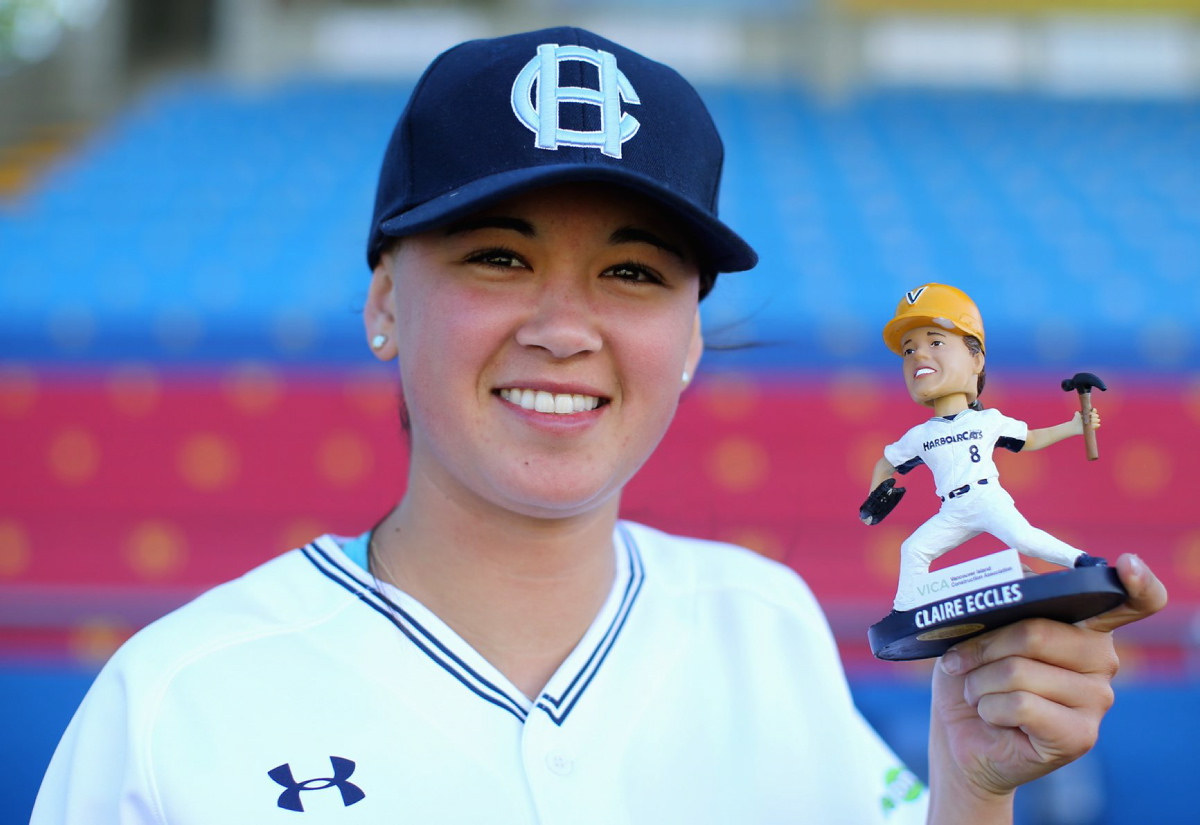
938, 333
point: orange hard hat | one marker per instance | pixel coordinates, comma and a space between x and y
933, 305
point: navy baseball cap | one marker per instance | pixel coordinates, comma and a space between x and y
491, 119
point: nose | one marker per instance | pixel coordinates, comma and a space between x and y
562, 322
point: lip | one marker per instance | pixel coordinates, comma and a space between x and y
553, 423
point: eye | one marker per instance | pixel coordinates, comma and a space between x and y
936, 343
909, 351
632, 272
497, 257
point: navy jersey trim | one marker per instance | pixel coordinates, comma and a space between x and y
910, 465
559, 708
1010, 443
425, 641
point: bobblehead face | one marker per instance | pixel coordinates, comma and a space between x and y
541, 345
939, 367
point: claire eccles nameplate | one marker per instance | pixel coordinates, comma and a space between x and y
982, 594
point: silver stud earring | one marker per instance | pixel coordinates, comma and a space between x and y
378, 341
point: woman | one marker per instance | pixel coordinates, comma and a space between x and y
500, 647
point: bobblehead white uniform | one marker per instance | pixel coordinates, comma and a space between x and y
958, 451
707, 690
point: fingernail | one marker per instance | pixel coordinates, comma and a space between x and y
951, 662
1136, 565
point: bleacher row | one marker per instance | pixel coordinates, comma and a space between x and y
210, 223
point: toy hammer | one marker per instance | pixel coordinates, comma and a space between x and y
1082, 383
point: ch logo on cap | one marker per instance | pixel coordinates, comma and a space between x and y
616, 126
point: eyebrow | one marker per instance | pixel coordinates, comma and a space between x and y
626, 234
632, 234
929, 332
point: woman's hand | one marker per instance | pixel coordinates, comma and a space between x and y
1077, 421
1014, 704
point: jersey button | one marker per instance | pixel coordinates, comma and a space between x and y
559, 763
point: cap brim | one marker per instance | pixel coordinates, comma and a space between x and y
720, 247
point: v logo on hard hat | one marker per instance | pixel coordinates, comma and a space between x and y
914, 295
616, 126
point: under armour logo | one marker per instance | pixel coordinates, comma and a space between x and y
913, 295
342, 769
616, 126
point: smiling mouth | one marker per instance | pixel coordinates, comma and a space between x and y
547, 402
924, 371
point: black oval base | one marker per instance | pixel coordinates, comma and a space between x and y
930, 630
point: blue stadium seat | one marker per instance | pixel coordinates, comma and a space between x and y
1073, 223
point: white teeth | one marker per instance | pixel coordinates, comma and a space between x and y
545, 402
923, 371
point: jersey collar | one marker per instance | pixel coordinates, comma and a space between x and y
429, 634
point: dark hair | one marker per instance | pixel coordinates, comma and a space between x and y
402, 410
975, 347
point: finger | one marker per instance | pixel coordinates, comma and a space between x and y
1059, 685
1055, 732
1062, 645
1147, 596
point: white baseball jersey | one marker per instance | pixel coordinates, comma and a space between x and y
708, 690
958, 449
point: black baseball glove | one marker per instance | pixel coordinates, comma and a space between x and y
883, 500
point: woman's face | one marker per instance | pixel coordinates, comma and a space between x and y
541, 346
938, 363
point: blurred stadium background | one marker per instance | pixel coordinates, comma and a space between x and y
184, 389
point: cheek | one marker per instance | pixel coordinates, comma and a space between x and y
444, 339
657, 353
961, 372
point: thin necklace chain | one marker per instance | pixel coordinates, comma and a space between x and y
375, 560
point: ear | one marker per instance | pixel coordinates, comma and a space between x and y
379, 312
695, 348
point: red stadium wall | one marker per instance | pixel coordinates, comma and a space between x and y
127, 491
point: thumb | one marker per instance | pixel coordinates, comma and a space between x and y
1147, 596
